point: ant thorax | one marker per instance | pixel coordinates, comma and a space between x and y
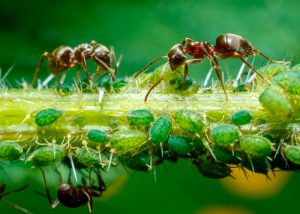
83, 50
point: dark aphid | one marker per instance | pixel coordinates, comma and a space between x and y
180, 145
10, 151
75, 196
47, 117
98, 136
139, 162
160, 130
47, 155
64, 58
189, 121
165, 153
225, 154
3, 194
127, 140
140, 117
256, 146
225, 134
228, 45
211, 168
257, 165
241, 117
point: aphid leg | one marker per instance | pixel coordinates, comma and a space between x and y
186, 69
219, 73
38, 67
152, 87
101, 63
149, 65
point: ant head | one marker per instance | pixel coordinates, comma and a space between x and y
176, 57
66, 55
102, 53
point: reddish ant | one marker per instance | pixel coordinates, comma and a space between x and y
75, 196
65, 57
228, 45
3, 194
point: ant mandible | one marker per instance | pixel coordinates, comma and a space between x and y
65, 57
228, 45
75, 196
3, 194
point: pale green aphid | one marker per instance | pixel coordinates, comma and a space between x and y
98, 136
47, 117
127, 140
276, 102
189, 121
47, 155
140, 117
241, 117
292, 153
87, 157
225, 134
284, 79
160, 129
256, 146
10, 151
271, 70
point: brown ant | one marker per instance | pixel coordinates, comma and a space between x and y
65, 57
3, 194
228, 45
75, 196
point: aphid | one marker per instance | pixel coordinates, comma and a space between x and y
225, 154
10, 151
98, 136
228, 45
65, 57
3, 194
160, 129
140, 162
256, 146
241, 117
47, 155
87, 157
292, 153
140, 117
47, 117
75, 196
225, 134
189, 121
127, 140
180, 145
275, 102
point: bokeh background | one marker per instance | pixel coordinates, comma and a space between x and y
140, 31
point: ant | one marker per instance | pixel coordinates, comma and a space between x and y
228, 45
65, 57
75, 196
3, 194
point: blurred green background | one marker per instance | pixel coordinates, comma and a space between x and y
141, 31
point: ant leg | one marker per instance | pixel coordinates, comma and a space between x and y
149, 65
254, 69
185, 72
269, 59
218, 71
85, 67
101, 63
78, 73
101, 184
46, 187
38, 67
16, 190
112, 51
152, 87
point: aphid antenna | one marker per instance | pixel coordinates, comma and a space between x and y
239, 76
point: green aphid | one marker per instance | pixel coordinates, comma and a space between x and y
211, 168
285, 78
98, 136
189, 121
160, 129
241, 117
256, 146
294, 87
225, 134
47, 117
47, 155
87, 157
273, 100
179, 85
10, 151
140, 117
292, 153
271, 70
224, 154
127, 140
180, 145
139, 162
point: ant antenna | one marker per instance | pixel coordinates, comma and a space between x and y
149, 65
269, 59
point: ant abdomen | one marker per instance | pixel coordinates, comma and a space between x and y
71, 196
